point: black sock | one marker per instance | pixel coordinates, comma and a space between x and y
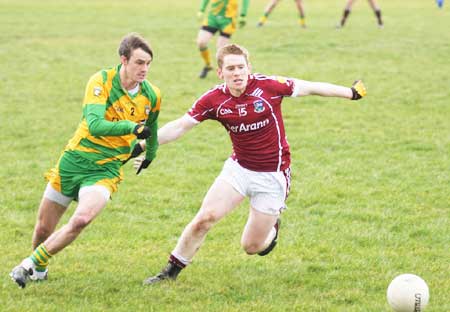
344, 17
378, 14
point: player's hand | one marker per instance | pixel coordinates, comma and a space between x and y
141, 163
137, 162
137, 150
358, 90
141, 131
242, 21
199, 16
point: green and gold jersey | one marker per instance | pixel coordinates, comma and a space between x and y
227, 8
110, 114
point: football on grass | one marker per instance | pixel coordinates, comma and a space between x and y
408, 293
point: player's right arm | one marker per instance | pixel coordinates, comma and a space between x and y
171, 131
175, 129
94, 109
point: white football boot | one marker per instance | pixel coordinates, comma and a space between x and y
25, 272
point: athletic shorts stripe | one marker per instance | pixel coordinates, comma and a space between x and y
287, 176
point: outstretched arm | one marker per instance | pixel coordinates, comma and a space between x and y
171, 131
304, 88
174, 129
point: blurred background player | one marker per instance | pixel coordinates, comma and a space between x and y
273, 3
348, 7
249, 107
440, 3
119, 105
222, 17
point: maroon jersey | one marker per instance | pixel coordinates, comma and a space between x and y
253, 120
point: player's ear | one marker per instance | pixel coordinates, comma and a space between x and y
249, 68
123, 60
219, 73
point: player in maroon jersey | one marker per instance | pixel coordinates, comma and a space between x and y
249, 107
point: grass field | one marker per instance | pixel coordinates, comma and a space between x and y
370, 197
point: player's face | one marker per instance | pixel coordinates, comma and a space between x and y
137, 66
234, 73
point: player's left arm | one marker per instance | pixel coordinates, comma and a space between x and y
152, 124
149, 145
304, 88
203, 5
244, 8
243, 14
152, 141
94, 110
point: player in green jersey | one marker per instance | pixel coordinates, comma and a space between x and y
273, 3
222, 17
120, 106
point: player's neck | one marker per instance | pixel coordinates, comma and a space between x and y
130, 85
127, 83
236, 92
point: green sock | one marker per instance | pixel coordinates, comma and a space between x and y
40, 258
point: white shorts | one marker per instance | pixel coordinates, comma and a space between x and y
65, 201
267, 191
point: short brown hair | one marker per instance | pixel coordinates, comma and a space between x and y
231, 49
131, 42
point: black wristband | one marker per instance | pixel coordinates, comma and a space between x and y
355, 94
137, 150
141, 132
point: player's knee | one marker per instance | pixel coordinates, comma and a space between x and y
204, 222
251, 248
202, 43
42, 231
79, 222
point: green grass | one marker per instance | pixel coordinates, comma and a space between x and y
370, 193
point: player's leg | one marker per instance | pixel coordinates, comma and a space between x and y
223, 40
227, 29
268, 192
301, 12
376, 9
259, 232
92, 199
346, 13
269, 8
204, 36
52, 207
220, 200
